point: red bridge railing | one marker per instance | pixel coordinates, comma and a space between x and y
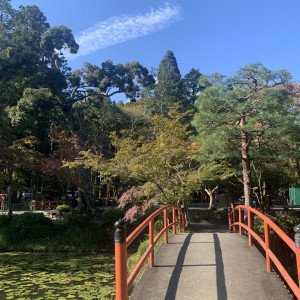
270, 256
123, 282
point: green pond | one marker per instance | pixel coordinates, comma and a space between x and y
56, 276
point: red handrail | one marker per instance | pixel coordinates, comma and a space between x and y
270, 256
121, 243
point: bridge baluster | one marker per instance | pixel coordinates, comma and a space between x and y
229, 221
249, 227
183, 221
174, 220
151, 242
240, 220
179, 220
234, 221
267, 243
165, 225
297, 245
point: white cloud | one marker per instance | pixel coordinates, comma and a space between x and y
123, 28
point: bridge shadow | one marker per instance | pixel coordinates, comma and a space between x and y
220, 276
221, 286
173, 284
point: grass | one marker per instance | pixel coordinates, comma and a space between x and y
135, 258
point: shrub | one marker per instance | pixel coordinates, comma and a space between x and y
62, 209
29, 226
111, 215
4, 220
143, 247
158, 226
286, 223
77, 220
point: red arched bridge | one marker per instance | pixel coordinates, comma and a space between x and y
211, 264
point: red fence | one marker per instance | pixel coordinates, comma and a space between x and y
3, 200
270, 256
121, 243
31, 204
35, 204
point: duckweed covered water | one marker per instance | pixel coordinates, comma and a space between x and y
56, 276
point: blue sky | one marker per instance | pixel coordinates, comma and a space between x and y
211, 35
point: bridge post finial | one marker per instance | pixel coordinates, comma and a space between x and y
297, 236
120, 233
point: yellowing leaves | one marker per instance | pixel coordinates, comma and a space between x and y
165, 158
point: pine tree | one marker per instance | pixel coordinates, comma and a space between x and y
240, 114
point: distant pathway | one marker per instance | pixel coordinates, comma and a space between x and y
209, 264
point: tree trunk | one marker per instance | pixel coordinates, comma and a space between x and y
67, 110
264, 195
211, 199
183, 204
211, 196
186, 213
9, 193
248, 192
247, 176
85, 199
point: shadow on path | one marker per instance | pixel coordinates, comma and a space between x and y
220, 276
173, 284
209, 264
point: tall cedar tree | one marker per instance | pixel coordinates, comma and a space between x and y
192, 86
168, 89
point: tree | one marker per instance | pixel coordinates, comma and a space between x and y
101, 83
211, 176
235, 113
192, 86
89, 95
33, 113
168, 88
64, 149
136, 117
15, 156
32, 73
164, 159
37, 89
161, 163
97, 118
30, 57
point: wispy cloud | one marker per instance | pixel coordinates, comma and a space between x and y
123, 28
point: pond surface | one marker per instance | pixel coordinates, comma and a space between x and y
56, 276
